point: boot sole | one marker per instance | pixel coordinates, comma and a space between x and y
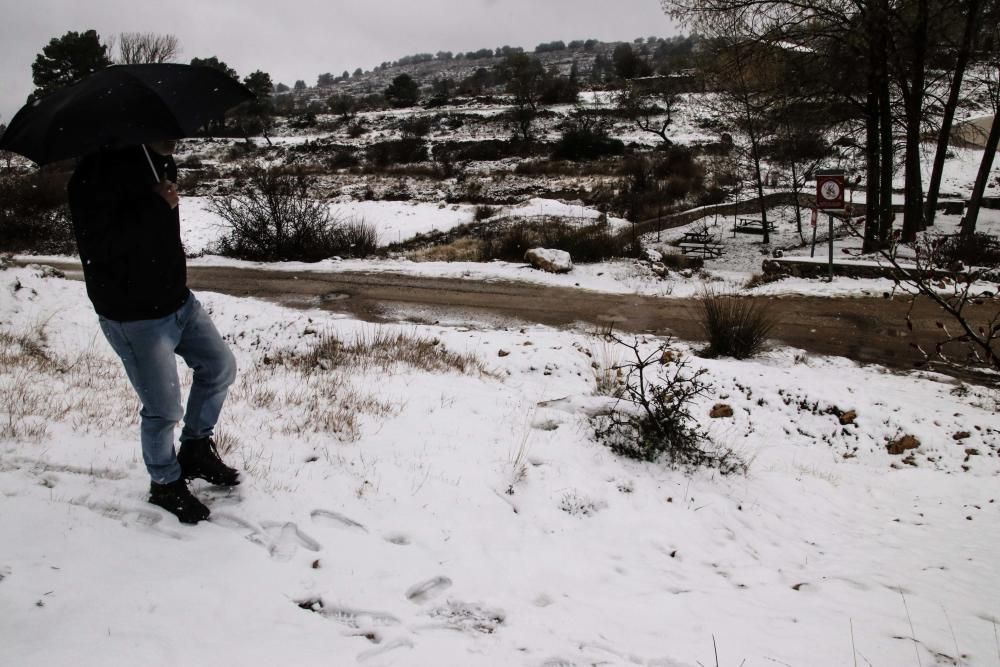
225, 482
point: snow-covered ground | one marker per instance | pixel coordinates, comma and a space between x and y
395, 221
741, 259
395, 516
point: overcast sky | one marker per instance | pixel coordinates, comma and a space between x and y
300, 39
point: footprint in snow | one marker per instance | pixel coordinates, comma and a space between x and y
425, 590
469, 617
255, 533
399, 539
46, 466
398, 643
147, 518
286, 538
329, 516
357, 619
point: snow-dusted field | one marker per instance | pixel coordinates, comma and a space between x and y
463, 514
396, 516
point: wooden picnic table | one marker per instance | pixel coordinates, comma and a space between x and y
751, 226
697, 237
707, 249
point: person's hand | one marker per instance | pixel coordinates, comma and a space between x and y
167, 190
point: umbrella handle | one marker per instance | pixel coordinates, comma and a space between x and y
156, 174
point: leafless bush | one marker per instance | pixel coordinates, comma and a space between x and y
970, 328
483, 212
759, 279
737, 326
33, 213
272, 217
681, 262
584, 240
652, 419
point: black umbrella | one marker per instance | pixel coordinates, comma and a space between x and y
123, 105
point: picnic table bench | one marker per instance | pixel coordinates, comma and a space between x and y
707, 249
697, 237
751, 226
700, 241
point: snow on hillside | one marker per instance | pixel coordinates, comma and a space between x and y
396, 516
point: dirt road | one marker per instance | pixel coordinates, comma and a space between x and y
868, 330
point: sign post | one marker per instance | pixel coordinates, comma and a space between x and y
830, 197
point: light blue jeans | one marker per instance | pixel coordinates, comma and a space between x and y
147, 349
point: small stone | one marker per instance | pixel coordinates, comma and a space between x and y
900, 445
720, 410
972, 451
961, 435
503, 353
848, 417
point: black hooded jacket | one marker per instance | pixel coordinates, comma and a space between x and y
128, 236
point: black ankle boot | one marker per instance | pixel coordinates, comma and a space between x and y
200, 459
177, 499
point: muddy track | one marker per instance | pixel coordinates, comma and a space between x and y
868, 330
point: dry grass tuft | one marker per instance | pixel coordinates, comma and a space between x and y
737, 326
606, 364
465, 249
38, 387
384, 349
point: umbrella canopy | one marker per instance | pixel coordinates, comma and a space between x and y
123, 105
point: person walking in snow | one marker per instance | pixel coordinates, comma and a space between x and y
124, 206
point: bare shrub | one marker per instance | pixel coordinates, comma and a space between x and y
272, 217
356, 129
681, 262
759, 279
483, 212
652, 420
397, 151
737, 326
34, 217
970, 329
585, 241
973, 250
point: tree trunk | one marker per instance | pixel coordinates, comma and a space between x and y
872, 173
912, 80
913, 204
961, 62
887, 165
972, 213
755, 156
798, 209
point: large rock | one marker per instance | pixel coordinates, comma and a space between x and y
553, 261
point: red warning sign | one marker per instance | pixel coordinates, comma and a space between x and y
829, 188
